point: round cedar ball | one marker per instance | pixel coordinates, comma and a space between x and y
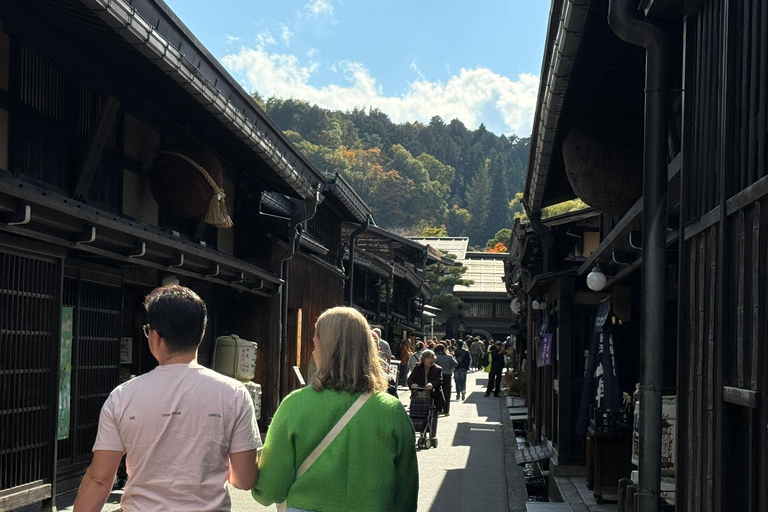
603, 158
179, 188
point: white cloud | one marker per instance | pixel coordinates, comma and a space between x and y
286, 35
315, 8
231, 39
464, 96
415, 68
265, 39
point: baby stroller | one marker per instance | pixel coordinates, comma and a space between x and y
424, 417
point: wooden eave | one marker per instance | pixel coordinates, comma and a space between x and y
40, 214
194, 90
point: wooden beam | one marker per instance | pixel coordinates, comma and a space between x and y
624, 272
704, 222
625, 224
749, 195
36, 195
743, 397
25, 495
96, 147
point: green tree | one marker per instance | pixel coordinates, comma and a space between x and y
515, 208
441, 279
393, 193
478, 203
458, 220
562, 208
434, 232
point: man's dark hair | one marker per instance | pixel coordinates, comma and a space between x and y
439, 348
419, 346
178, 315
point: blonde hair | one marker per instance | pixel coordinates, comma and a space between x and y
348, 357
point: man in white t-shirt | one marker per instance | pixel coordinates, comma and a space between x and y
186, 430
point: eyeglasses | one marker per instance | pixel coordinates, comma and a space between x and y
146, 328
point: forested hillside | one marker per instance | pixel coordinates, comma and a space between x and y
413, 176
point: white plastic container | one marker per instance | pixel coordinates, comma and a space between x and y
235, 357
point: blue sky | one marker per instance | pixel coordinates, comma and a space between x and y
476, 61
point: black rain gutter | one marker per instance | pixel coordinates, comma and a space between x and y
295, 230
351, 272
547, 240
650, 37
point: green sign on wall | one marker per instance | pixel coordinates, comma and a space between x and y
65, 371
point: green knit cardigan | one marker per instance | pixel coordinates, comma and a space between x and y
370, 466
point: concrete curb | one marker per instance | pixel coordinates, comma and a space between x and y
517, 494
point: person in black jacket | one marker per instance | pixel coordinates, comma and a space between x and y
427, 374
496, 355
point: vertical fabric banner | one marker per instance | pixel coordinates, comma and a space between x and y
65, 372
545, 350
601, 383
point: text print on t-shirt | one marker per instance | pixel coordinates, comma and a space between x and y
169, 414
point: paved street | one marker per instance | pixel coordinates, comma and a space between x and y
465, 472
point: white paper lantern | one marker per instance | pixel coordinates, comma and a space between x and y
596, 280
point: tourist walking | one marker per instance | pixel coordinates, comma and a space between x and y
405, 355
416, 357
185, 429
461, 354
496, 357
371, 464
427, 374
476, 351
448, 364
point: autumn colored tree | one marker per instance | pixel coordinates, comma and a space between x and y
501, 238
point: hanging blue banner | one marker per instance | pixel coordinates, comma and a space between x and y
601, 384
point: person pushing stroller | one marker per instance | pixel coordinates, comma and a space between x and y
427, 375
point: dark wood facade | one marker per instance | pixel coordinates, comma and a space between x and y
389, 283
722, 261
86, 103
716, 221
555, 389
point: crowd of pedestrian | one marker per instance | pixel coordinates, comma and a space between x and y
185, 430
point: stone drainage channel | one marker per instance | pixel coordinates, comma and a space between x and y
535, 483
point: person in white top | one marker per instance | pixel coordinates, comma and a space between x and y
186, 430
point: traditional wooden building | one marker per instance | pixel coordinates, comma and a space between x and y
388, 283
108, 112
485, 309
541, 277
595, 119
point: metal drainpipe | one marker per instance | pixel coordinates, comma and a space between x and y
651, 38
351, 273
547, 240
390, 280
294, 240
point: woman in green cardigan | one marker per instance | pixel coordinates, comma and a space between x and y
371, 464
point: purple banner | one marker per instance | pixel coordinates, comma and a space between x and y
545, 350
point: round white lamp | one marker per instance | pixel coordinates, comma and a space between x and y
535, 304
515, 306
543, 304
596, 279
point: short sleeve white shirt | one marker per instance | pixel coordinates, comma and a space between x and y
178, 424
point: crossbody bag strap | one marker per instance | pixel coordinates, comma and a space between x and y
332, 434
